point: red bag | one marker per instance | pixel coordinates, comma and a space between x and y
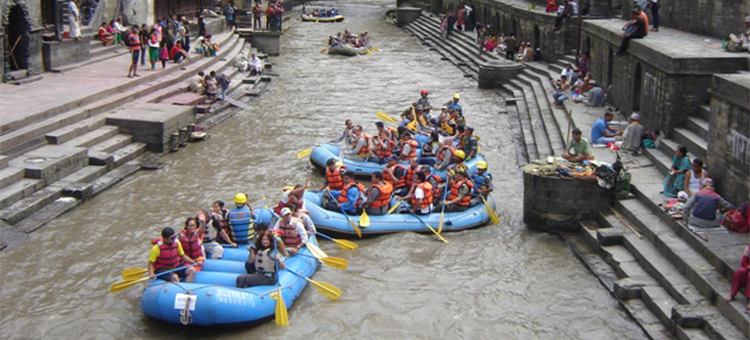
736, 222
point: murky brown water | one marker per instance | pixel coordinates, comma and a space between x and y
489, 283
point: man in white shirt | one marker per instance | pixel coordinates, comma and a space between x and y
292, 231
256, 67
568, 73
421, 202
73, 20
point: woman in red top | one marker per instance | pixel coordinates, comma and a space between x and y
741, 278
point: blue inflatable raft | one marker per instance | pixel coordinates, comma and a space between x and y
321, 153
335, 223
214, 297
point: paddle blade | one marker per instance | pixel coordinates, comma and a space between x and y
122, 285
369, 51
345, 245
304, 153
385, 117
392, 209
323, 50
316, 251
356, 229
440, 225
436, 233
133, 273
493, 215
364, 220
282, 317
336, 262
327, 289
375, 49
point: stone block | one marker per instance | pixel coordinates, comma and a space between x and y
406, 15
152, 123
494, 73
80, 191
268, 42
30, 204
65, 52
609, 237
52, 162
627, 288
688, 316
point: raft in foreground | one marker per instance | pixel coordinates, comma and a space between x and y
322, 153
215, 299
336, 223
308, 17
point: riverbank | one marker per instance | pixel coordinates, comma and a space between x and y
661, 273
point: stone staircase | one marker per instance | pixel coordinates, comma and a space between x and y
672, 282
49, 166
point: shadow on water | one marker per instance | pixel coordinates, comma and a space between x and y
494, 282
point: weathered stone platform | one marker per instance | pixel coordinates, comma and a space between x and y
152, 123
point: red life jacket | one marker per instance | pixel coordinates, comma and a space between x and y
343, 198
440, 156
169, 256
396, 183
409, 176
290, 201
428, 196
365, 150
289, 233
335, 182
223, 220
385, 195
413, 150
466, 200
191, 244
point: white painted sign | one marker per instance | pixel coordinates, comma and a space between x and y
740, 146
181, 300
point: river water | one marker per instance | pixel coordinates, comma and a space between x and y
495, 282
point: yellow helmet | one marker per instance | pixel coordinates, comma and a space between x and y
459, 154
240, 198
456, 96
482, 165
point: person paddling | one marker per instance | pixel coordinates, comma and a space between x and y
349, 198
292, 231
166, 255
459, 197
378, 196
261, 263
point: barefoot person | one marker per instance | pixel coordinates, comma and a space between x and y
133, 41
741, 279
578, 149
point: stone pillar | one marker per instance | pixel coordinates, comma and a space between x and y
407, 15
553, 204
497, 72
268, 42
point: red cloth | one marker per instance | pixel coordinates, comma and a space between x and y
551, 6
741, 277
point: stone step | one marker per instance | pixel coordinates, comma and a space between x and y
468, 48
698, 271
51, 162
74, 130
556, 69
46, 214
550, 125
128, 153
704, 112
698, 126
537, 71
10, 175
94, 137
668, 147
85, 175
30, 204
468, 39
537, 123
459, 52
661, 161
694, 143
101, 154
99, 102
18, 190
526, 126
518, 138
448, 54
4, 161
113, 177
648, 321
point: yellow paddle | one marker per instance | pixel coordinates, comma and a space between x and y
326, 289
282, 317
442, 210
493, 215
304, 153
335, 262
364, 220
343, 244
375, 49
122, 285
133, 273
385, 117
316, 251
427, 225
323, 50
392, 209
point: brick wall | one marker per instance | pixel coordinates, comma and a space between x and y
729, 137
34, 17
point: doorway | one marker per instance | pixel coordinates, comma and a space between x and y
637, 80
17, 39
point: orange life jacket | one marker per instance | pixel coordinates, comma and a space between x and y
437, 181
396, 183
410, 173
386, 149
440, 156
343, 197
335, 182
365, 150
413, 150
466, 200
385, 195
428, 196
133, 41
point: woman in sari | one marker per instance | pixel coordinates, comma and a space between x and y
675, 180
741, 279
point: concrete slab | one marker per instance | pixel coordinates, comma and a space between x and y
151, 123
92, 138
52, 162
30, 204
18, 190
74, 130
46, 214
187, 98
10, 175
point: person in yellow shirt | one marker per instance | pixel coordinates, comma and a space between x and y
166, 255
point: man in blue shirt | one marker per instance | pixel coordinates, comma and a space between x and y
600, 132
454, 105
